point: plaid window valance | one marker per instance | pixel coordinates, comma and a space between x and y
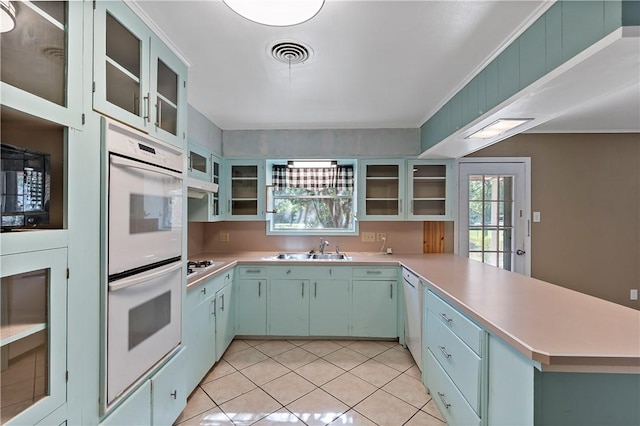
339, 178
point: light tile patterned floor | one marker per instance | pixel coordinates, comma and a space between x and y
312, 382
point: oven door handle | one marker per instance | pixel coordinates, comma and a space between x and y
119, 161
128, 282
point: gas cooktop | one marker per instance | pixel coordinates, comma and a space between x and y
196, 266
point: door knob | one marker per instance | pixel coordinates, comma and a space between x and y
520, 252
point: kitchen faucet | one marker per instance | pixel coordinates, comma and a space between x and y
323, 244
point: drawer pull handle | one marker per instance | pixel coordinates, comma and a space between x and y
203, 291
259, 289
174, 394
446, 318
444, 401
374, 272
444, 351
253, 271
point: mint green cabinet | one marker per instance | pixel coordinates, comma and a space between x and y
374, 308
203, 165
158, 401
137, 79
33, 343
199, 332
245, 189
134, 410
251, 307
42, 62
198, 162
431, 190
288, 313
329, 308
168, 391
381, 190
225, 319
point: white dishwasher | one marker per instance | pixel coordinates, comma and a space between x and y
413, 307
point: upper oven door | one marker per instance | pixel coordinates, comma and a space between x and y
145, 214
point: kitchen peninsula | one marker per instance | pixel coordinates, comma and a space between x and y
549, 354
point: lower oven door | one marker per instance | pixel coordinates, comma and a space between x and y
145, 214
144, 324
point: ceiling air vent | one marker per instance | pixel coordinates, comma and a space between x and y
291, 53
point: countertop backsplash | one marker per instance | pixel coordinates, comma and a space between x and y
402, 237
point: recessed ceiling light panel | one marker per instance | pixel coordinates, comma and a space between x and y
276, 13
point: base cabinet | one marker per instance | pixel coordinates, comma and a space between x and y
519, 393
225, 319
448, 397
374, 310
288, 307
168, 391
199, 333
329, 308
158, 401
251, 307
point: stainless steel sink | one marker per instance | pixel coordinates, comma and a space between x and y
293, 256
330, 256
310, 256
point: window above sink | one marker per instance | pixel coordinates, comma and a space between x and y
311, 199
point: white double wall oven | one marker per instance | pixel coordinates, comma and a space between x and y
142, 253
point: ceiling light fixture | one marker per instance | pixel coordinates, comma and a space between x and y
276, 13
7, 16
316, 164
498, 127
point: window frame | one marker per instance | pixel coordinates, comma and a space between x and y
270, 230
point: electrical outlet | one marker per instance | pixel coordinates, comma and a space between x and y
381, 236
368, 237
633, 294
224, 237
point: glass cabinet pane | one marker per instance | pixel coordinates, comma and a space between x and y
167, 107
34, 54
24, 336
382, 170
382, 190
244, 172
198, 162
123, 67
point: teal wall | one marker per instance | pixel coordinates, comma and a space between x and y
564, 30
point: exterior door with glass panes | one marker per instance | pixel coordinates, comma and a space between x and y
494, 224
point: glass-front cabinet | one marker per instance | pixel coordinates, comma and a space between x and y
137, 79
246, 190
206, 166
430, 190
382, 190
199, 162
40, 56
33, 302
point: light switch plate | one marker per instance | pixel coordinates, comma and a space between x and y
536, 216
633, 294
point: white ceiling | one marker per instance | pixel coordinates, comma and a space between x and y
376, 64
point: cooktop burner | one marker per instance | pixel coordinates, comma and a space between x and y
199, 263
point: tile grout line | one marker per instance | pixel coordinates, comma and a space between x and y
349, 407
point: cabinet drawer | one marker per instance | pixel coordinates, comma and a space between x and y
447, 397
227, 276
458, 360
252, 271
463, 327
373, 273
310, 272
200, 293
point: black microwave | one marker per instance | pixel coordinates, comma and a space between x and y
25, 185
